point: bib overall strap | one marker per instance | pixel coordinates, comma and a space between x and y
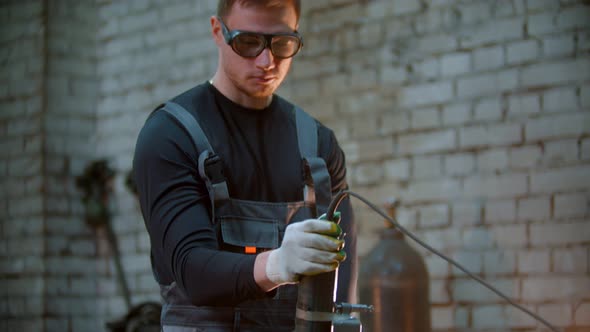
318, 188
209, 164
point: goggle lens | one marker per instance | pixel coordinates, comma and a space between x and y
250, 45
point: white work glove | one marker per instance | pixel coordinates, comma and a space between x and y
309, 247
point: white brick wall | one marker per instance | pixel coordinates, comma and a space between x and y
472, 114
21, 175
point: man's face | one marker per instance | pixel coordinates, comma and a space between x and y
258, 77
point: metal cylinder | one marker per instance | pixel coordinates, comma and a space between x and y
394, 278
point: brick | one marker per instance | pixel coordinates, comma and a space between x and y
83, 286
442, 317
567, 178
20, 324
426, 142
437, 267
351, 150
426, 94
322, 109
441, 239
375, 149
456, 114
425, 118
23, 286
403, 7
468, 290
85, 324
574, 17
427, 166
488, 109
378, 10
495, 186
364, 79
516, 318
57, 285
560, 100
585, 96
533, 261
427, 69
121, 45
435, 44
499, 262
476, 238
474, 12
429, 190
510, 236
470, 260
559, 234
137, 22
68, 265
466, 213
523, 105
492, 160
433, 21
524, 157
367, 174
392, 75
539, 24
335, 84
434, 215
487, 84
364, 127
522, 52
407, 217
534, 208
561, 152
56, 244
543, 74
489, 316
361, 103
585, 149
557, 314
570, 260
177, 12
57, 324
570, 205
397, 169
570, 125
438, 292
488, 58
459, 164
455, 64
392, 123
583, 41
462, 316
558, 45
494, 32
582, 314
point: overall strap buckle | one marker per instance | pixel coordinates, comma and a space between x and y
211, 171
214, 169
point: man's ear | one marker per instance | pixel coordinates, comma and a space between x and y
216, 30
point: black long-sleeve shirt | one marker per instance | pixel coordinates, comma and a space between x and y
261, 160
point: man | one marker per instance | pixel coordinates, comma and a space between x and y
231, 204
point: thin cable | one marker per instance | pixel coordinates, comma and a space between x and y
341, 195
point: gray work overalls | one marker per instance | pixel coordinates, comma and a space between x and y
244, 226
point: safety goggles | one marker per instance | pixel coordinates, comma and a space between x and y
251, 44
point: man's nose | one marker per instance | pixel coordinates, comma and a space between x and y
265, 59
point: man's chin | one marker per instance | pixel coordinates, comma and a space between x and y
262, 93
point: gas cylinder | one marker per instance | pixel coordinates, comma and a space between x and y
394, 279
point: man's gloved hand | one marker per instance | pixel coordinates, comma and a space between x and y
309, 247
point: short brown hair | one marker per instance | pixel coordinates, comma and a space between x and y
225, 6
